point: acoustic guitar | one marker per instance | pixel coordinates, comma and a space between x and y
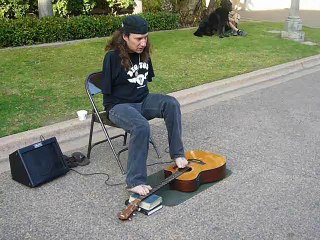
203, 167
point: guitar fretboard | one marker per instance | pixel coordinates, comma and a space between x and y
165, 182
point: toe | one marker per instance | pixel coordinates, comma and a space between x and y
148, 186
181, 162
138, 189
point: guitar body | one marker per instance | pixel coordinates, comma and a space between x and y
204, 167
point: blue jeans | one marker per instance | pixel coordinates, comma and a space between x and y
133, 117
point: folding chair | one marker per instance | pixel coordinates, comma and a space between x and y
93, 88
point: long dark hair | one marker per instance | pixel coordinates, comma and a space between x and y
117, 42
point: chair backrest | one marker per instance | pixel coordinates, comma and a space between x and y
94, 83
94, 87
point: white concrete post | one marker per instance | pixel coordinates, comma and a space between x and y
293, 24
45, 8
138, 7
294, 9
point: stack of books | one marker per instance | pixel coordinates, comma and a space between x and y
149, 205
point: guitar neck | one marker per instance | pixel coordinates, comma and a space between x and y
165, 182
133, 206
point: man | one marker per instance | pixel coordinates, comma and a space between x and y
127, 69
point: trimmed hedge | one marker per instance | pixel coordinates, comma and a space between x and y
31, 30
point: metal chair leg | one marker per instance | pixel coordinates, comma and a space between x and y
121, 151
125, 138
112, 148
90, 137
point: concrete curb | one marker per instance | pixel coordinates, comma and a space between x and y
71, 130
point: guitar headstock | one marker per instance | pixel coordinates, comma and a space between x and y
127, 213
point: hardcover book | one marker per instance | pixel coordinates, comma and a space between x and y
149, 212
148, 203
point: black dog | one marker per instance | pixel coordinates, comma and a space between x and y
217, 21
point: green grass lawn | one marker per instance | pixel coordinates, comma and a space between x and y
44, 85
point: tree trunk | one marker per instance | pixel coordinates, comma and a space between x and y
45, 8
190, 11
212, 6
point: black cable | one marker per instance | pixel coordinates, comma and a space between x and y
89, 174
108, 176
167, 149
42, 138
113, 185
98, 173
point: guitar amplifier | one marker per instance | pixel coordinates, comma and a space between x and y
38, 163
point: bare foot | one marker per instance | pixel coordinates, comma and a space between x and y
181, 162
141, 189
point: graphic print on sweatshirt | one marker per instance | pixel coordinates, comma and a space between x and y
138, 74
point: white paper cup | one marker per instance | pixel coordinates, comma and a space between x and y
82, 115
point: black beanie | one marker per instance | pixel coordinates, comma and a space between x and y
135, 24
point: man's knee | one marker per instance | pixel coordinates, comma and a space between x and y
171, 107
141, 128
172, 102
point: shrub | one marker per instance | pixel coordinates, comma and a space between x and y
190, 11
16, 8
162, 21
158, 5
31, 30
152, 5
63, 8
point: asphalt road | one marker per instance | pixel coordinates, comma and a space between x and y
270, 135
